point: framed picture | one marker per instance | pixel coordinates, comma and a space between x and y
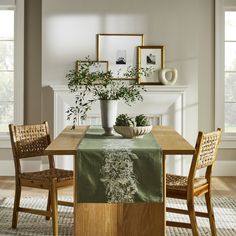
98, 66
150, 56
120, 50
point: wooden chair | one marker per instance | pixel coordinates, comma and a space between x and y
31, 141
189, 187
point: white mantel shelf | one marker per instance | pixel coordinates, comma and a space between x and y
159, 88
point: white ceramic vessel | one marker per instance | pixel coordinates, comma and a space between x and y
108, 115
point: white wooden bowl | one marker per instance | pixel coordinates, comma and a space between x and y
133, 132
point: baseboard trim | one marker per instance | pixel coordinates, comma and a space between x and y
7, 167
224, 168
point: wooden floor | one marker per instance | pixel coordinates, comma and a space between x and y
222, 186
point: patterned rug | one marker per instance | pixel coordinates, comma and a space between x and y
28, 224
225, 216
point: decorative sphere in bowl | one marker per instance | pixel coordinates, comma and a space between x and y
133, 132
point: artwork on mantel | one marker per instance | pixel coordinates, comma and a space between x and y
119, 50
150, 56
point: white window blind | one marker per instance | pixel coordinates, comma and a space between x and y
6, 69
230, 72
225, 71
11, 66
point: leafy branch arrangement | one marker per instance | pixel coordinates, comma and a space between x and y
125, 120
101, 86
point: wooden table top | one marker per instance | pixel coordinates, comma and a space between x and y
171, 142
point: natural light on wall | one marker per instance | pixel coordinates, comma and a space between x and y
230, 71
6, 69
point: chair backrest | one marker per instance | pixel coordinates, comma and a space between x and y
206, 150
29, 141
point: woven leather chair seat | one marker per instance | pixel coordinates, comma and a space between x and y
177, 182
45, 175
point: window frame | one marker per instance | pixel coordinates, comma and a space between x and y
18, 7
228, 139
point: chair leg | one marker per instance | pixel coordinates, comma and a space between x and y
53, 195
210, 213
192, 217
48, 205
16, 206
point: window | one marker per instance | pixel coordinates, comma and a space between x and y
11, 66
225, 70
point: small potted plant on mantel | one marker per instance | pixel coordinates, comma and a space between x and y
90, 87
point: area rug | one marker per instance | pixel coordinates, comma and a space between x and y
225, 216
32, 225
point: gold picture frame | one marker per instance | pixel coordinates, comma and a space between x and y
150, 56
120, 50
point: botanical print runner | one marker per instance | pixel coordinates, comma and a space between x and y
117, 170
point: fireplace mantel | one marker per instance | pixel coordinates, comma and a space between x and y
159, 100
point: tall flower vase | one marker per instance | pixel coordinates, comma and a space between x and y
108, 115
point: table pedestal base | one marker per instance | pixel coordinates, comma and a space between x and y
135, 219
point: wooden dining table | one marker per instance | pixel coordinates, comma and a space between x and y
119, 219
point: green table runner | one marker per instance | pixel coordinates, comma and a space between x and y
117, 170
